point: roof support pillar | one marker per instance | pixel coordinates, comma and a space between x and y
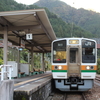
42, 62
28, 57
32, 58
5, 32
18, 61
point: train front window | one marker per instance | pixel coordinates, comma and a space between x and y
88, 51
73, 53
59, 51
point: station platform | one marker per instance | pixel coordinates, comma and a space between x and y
29, 79
33, 87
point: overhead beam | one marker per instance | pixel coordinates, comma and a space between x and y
15, 28
40, 51
45, 44
25, 35
1, 35
16, 33
14, 43
40, 34
30, 42
4, 22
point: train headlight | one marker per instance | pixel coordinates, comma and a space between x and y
56, 67
59, 67
87, 67
92, 67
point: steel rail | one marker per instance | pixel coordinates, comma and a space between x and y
84, 96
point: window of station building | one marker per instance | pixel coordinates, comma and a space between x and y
59, 51
88, 51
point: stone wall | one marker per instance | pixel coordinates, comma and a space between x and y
41, 94
6, 90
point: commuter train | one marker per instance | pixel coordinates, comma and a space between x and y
74, 63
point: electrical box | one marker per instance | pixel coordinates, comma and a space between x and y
14, 65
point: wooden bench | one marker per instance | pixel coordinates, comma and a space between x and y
36, 71
41, 71
21, 74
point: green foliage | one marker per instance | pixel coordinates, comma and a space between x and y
1, 61
98, 53
88, 20
98, 62
37, 60
98, 66
24, 56
23, 98
61, 28
1, 56
98, 70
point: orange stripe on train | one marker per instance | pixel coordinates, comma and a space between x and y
64, 67
83, 67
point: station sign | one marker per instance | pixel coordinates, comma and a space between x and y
29, 36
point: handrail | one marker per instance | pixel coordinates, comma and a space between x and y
4, 71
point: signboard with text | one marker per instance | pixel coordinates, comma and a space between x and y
29, 36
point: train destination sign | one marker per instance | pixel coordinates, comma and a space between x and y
87, 43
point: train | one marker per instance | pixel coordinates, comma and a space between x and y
74, 63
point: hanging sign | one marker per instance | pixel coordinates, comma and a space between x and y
22, 44
29, 36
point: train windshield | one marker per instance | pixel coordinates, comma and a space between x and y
59, 51
88, 51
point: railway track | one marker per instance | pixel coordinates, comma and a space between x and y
97, 81
67, 96
97, 78
75, 95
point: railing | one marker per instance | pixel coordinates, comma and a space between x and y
5, 70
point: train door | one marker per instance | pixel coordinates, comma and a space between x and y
74, 62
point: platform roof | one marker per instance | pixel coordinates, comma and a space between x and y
20, 23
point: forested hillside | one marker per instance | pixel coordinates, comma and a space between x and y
61, 28
87, 20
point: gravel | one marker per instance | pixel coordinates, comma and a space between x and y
94, 93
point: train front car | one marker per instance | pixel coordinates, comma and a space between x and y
74, 63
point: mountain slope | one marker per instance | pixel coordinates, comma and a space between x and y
88, 20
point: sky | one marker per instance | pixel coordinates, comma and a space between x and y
86, 4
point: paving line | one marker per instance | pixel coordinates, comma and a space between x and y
28, 81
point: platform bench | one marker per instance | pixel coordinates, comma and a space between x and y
41, 72
36, 72
21, 74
